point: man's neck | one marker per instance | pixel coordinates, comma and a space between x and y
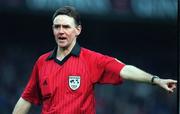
63, 52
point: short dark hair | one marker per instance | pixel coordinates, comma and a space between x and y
69, 11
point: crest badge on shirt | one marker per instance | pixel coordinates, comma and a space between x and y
74, 82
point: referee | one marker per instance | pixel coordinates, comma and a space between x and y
63, 80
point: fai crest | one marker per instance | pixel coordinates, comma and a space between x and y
74, 82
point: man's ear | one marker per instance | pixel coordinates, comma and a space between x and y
78, 29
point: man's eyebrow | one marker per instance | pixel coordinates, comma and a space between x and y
61, 24
64, 25
56, 25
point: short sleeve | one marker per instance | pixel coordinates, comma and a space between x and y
107, 70
32, 92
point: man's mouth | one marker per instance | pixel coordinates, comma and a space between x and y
61, 38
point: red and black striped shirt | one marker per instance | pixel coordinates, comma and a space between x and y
67, 86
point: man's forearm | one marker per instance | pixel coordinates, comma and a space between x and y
22, 107
130, 72
133, 73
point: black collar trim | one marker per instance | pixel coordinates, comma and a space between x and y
75, 52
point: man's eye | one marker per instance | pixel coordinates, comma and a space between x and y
59, 26
66, 26
56, 26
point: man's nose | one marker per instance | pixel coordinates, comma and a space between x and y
61, 30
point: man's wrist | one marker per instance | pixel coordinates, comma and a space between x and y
154, 79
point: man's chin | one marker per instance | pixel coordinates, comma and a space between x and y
62, 45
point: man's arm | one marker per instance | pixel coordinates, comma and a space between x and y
133, 73
22, 107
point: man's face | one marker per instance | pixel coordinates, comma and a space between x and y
65, 30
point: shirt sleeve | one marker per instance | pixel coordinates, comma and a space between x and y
107, 70
32, 92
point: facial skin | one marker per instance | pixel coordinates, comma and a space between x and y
65, 31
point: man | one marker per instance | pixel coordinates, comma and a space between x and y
63, 80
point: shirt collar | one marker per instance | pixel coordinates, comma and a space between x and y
75, 52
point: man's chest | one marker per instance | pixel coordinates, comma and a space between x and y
71, 78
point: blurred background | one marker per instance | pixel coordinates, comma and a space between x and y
138, 32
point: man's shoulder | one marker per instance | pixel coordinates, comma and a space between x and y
90, 53
44, 56
87, 52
